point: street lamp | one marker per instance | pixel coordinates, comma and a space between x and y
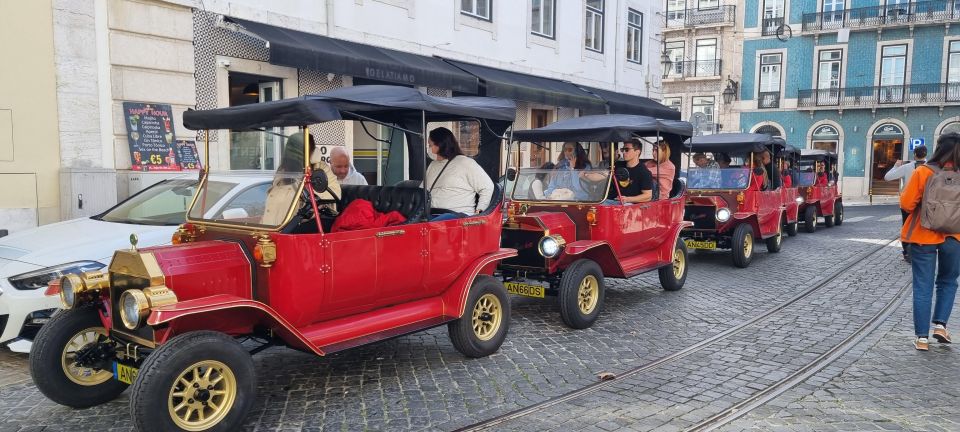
730, 93
667, 64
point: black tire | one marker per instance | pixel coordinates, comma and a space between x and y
838, 213
481, 342
48, 351
742, 244
775, 243
810, 219
828, 221
670, 280
151, 395
583, 271
791, 229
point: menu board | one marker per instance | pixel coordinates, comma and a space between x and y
187, 155
150, 135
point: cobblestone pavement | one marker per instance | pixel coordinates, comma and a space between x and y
419, 382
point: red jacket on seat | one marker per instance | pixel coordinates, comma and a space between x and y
360, 214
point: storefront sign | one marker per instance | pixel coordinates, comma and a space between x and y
150, 136
187, 155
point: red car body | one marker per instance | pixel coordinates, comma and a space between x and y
820, 198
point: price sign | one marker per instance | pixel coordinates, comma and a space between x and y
150, 136
187, 155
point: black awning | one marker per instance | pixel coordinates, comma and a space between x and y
531, 88
311, 51
622, 103
299, 111
606, 127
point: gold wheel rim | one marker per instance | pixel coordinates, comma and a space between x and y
202, 395
747, 245
487, 317
588, 294
679, 264
84, 376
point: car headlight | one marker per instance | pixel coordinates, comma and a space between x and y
69, 285
133, 305
38, 279
550, 246
799, 200
723, 215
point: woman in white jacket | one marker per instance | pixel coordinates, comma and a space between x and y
455, 180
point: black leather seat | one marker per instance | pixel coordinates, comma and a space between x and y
679, 187
408, 201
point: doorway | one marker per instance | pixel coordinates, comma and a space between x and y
259, 150
539, 154
886, 152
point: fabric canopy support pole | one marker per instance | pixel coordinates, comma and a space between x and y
491, 141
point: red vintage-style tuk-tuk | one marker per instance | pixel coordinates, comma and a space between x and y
570, 238
787, 160
166, 320
733, 203
817, 175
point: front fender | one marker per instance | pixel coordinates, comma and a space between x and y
226, 312
455, 298
598, 251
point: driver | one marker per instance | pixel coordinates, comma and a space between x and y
638, 186
285, 184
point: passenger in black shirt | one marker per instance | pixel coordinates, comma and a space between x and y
638, 186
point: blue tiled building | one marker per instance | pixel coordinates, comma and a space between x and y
867, 78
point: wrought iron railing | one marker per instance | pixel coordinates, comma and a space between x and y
767, 100
770, 26
695, 68
922, 12
879, 96
725, 15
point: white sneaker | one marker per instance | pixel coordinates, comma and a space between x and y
941, 334
921, 344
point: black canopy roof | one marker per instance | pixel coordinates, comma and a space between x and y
817, 154
388, 104
311, 51
621, 103
735, 143
604, 127
532, 88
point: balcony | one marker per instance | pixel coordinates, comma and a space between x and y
770, 26
768, 100
923, 12
689, 18
695, 68
939, 94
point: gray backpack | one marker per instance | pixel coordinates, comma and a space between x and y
940, 207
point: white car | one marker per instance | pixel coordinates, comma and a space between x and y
31, 258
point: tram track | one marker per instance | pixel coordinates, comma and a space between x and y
748, 404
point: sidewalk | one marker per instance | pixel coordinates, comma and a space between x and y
876, 200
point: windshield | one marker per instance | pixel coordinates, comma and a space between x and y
718, 178
565, 184
161, 204
264, 205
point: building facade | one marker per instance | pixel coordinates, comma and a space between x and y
867, 78
701, 50
194, 54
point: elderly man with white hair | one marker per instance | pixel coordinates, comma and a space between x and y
343, 169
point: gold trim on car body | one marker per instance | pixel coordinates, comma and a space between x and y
242, 228
138, 264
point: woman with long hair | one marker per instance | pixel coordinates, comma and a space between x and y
662, 169
934, 256
455, 182
573, 158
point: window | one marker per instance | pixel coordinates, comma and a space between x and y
634, 36
833, 10
828, 77
707, 64
708, 4
542, 22
593, 31
476, 8
773, 13
953, 72
675, 52
769, 96
673, 102
676, 12
704, 104
259, 150
893, 65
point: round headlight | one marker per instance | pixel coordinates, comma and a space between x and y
549, 247
69, 285
799, 200
723, 215
133, 304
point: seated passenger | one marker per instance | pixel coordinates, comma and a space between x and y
662, 169
454, 182
566, 181
283, 190
723, 160
638, 186
786, 174
604, 162
708, 173
821, 175
540, 180
343, 168
758, 178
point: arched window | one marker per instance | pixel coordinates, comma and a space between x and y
952, 127
888, 130
769, 130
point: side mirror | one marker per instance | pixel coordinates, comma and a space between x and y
319, 181
621, 174
511, 174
